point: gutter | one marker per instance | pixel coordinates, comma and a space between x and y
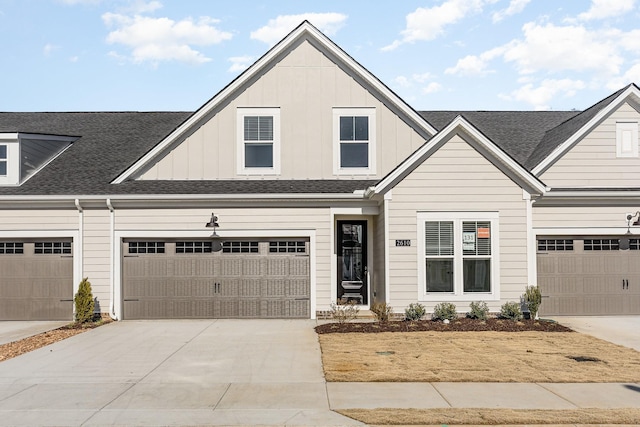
112, 231
80, 247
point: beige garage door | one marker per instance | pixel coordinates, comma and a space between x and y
588, 276
185, 279
36, 280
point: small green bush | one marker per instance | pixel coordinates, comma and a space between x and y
478, 310
415, 311
444, 311
382, 311
84, 302
511, 310
344, 311
533, 297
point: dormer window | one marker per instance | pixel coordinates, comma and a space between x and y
258, 141
354, 146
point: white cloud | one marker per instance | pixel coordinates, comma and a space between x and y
142, 6
602, 9
48, 49
515, 7
425, 24
402, 81
432, 88
74, 2
475, 65
74, 59
540, 96
163, 39
276, 29
240, 63
632, 75
421, 78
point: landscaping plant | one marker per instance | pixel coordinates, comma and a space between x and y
478, 310
415, 311
382, 311
344, 311
444, 311
84, 302
511, 310
533, 297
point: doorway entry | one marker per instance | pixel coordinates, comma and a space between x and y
352, 262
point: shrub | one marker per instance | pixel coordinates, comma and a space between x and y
344, 311
415, 311
444, 311
84, 302
478, 310
533, 298
382, 311
511, 310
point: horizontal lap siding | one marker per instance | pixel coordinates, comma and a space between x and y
233, 220
593, 217
593, 162
39, 219
456, 178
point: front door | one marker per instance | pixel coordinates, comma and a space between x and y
352, 262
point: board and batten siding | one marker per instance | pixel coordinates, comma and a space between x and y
592, 162
378, 278
96, 260
305, 85
240, 221
456, 178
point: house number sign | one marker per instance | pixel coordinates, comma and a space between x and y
403, 242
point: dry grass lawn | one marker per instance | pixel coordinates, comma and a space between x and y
451, 416
476, 357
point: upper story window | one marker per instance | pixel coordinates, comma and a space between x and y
627, 139
258, 141
3, 160
354, 135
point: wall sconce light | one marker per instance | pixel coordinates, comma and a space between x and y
624, 241
216, 245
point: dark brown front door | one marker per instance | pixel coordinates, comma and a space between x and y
352, 261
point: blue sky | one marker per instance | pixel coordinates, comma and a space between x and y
150, 55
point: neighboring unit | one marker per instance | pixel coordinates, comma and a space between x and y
326, 187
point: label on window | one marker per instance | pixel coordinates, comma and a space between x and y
469, 241
484, 233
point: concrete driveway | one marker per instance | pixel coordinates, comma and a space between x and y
16, 330
622, 330
210, 372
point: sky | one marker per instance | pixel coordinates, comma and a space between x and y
174, 55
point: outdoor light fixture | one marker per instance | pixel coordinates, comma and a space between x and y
624, 241
216, 245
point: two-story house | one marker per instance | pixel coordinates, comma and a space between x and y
307, 181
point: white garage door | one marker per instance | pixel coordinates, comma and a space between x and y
185, 279
588, 276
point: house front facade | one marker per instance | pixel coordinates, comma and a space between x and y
306, 182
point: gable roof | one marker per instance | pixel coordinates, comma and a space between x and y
562, 138
304, 31
462, 127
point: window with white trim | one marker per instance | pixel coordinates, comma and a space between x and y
3, 160
354, 136
458, 255
627, 139
258, 141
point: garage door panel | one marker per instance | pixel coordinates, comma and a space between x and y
597, 286
250, 288
298, 288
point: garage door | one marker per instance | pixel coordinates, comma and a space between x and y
185, 279
588, 276
36, 280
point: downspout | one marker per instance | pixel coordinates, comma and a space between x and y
112, 230
387, 261
80, 246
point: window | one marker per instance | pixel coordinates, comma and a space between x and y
193, 247
627, 139
547, 245
354, 141
258, 141
42, 248
146, 247
3, 160
298, 247
11, 248
240, 247
458, 255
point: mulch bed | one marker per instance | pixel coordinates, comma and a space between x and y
458, 325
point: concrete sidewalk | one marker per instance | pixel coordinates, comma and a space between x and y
224, 372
